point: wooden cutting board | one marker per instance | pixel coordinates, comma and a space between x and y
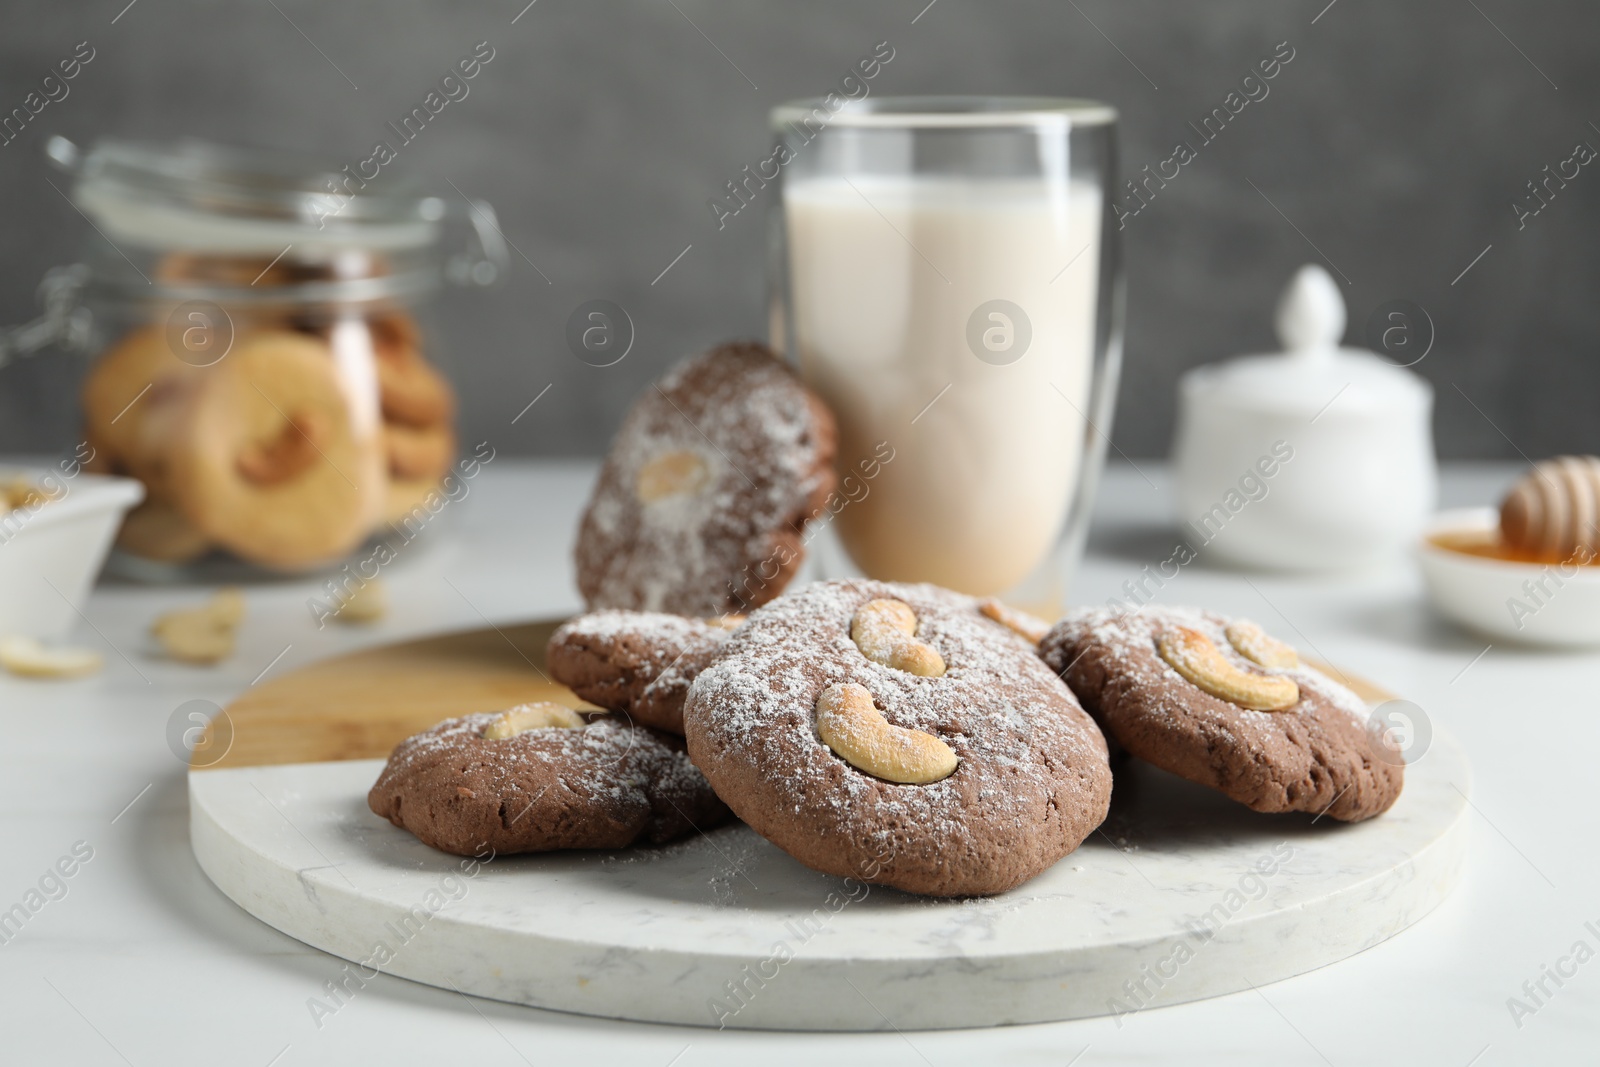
360, 705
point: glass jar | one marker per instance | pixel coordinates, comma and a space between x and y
946, 275
259, 363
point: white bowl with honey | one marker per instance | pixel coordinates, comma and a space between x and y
1528, 572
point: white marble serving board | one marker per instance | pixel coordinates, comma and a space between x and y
1182, 895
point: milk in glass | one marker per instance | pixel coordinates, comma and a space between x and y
885, 275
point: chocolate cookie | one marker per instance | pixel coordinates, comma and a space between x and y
701, 504
893, 734
638, 662
537, 778
1219, 702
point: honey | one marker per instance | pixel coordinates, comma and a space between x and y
1487, 544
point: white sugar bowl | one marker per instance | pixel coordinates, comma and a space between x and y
1319, 458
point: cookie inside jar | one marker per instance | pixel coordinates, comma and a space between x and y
281, 410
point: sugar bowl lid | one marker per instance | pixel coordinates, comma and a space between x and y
1313, 369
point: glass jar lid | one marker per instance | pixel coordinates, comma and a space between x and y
204, 197
192, 220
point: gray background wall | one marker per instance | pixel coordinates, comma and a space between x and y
1395, 142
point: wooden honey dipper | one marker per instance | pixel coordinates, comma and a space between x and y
1553, 513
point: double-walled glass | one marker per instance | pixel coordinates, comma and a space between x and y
946, 275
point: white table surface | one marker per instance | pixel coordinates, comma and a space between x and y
142, 961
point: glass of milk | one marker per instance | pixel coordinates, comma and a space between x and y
946, 274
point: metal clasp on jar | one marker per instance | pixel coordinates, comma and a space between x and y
64, 320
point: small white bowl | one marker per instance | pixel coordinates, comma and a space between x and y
1529, 603
51, 553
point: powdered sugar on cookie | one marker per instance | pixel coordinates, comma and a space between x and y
1314, 755
748, 457
1032, 777
639, 662
1124, 633
604, 785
